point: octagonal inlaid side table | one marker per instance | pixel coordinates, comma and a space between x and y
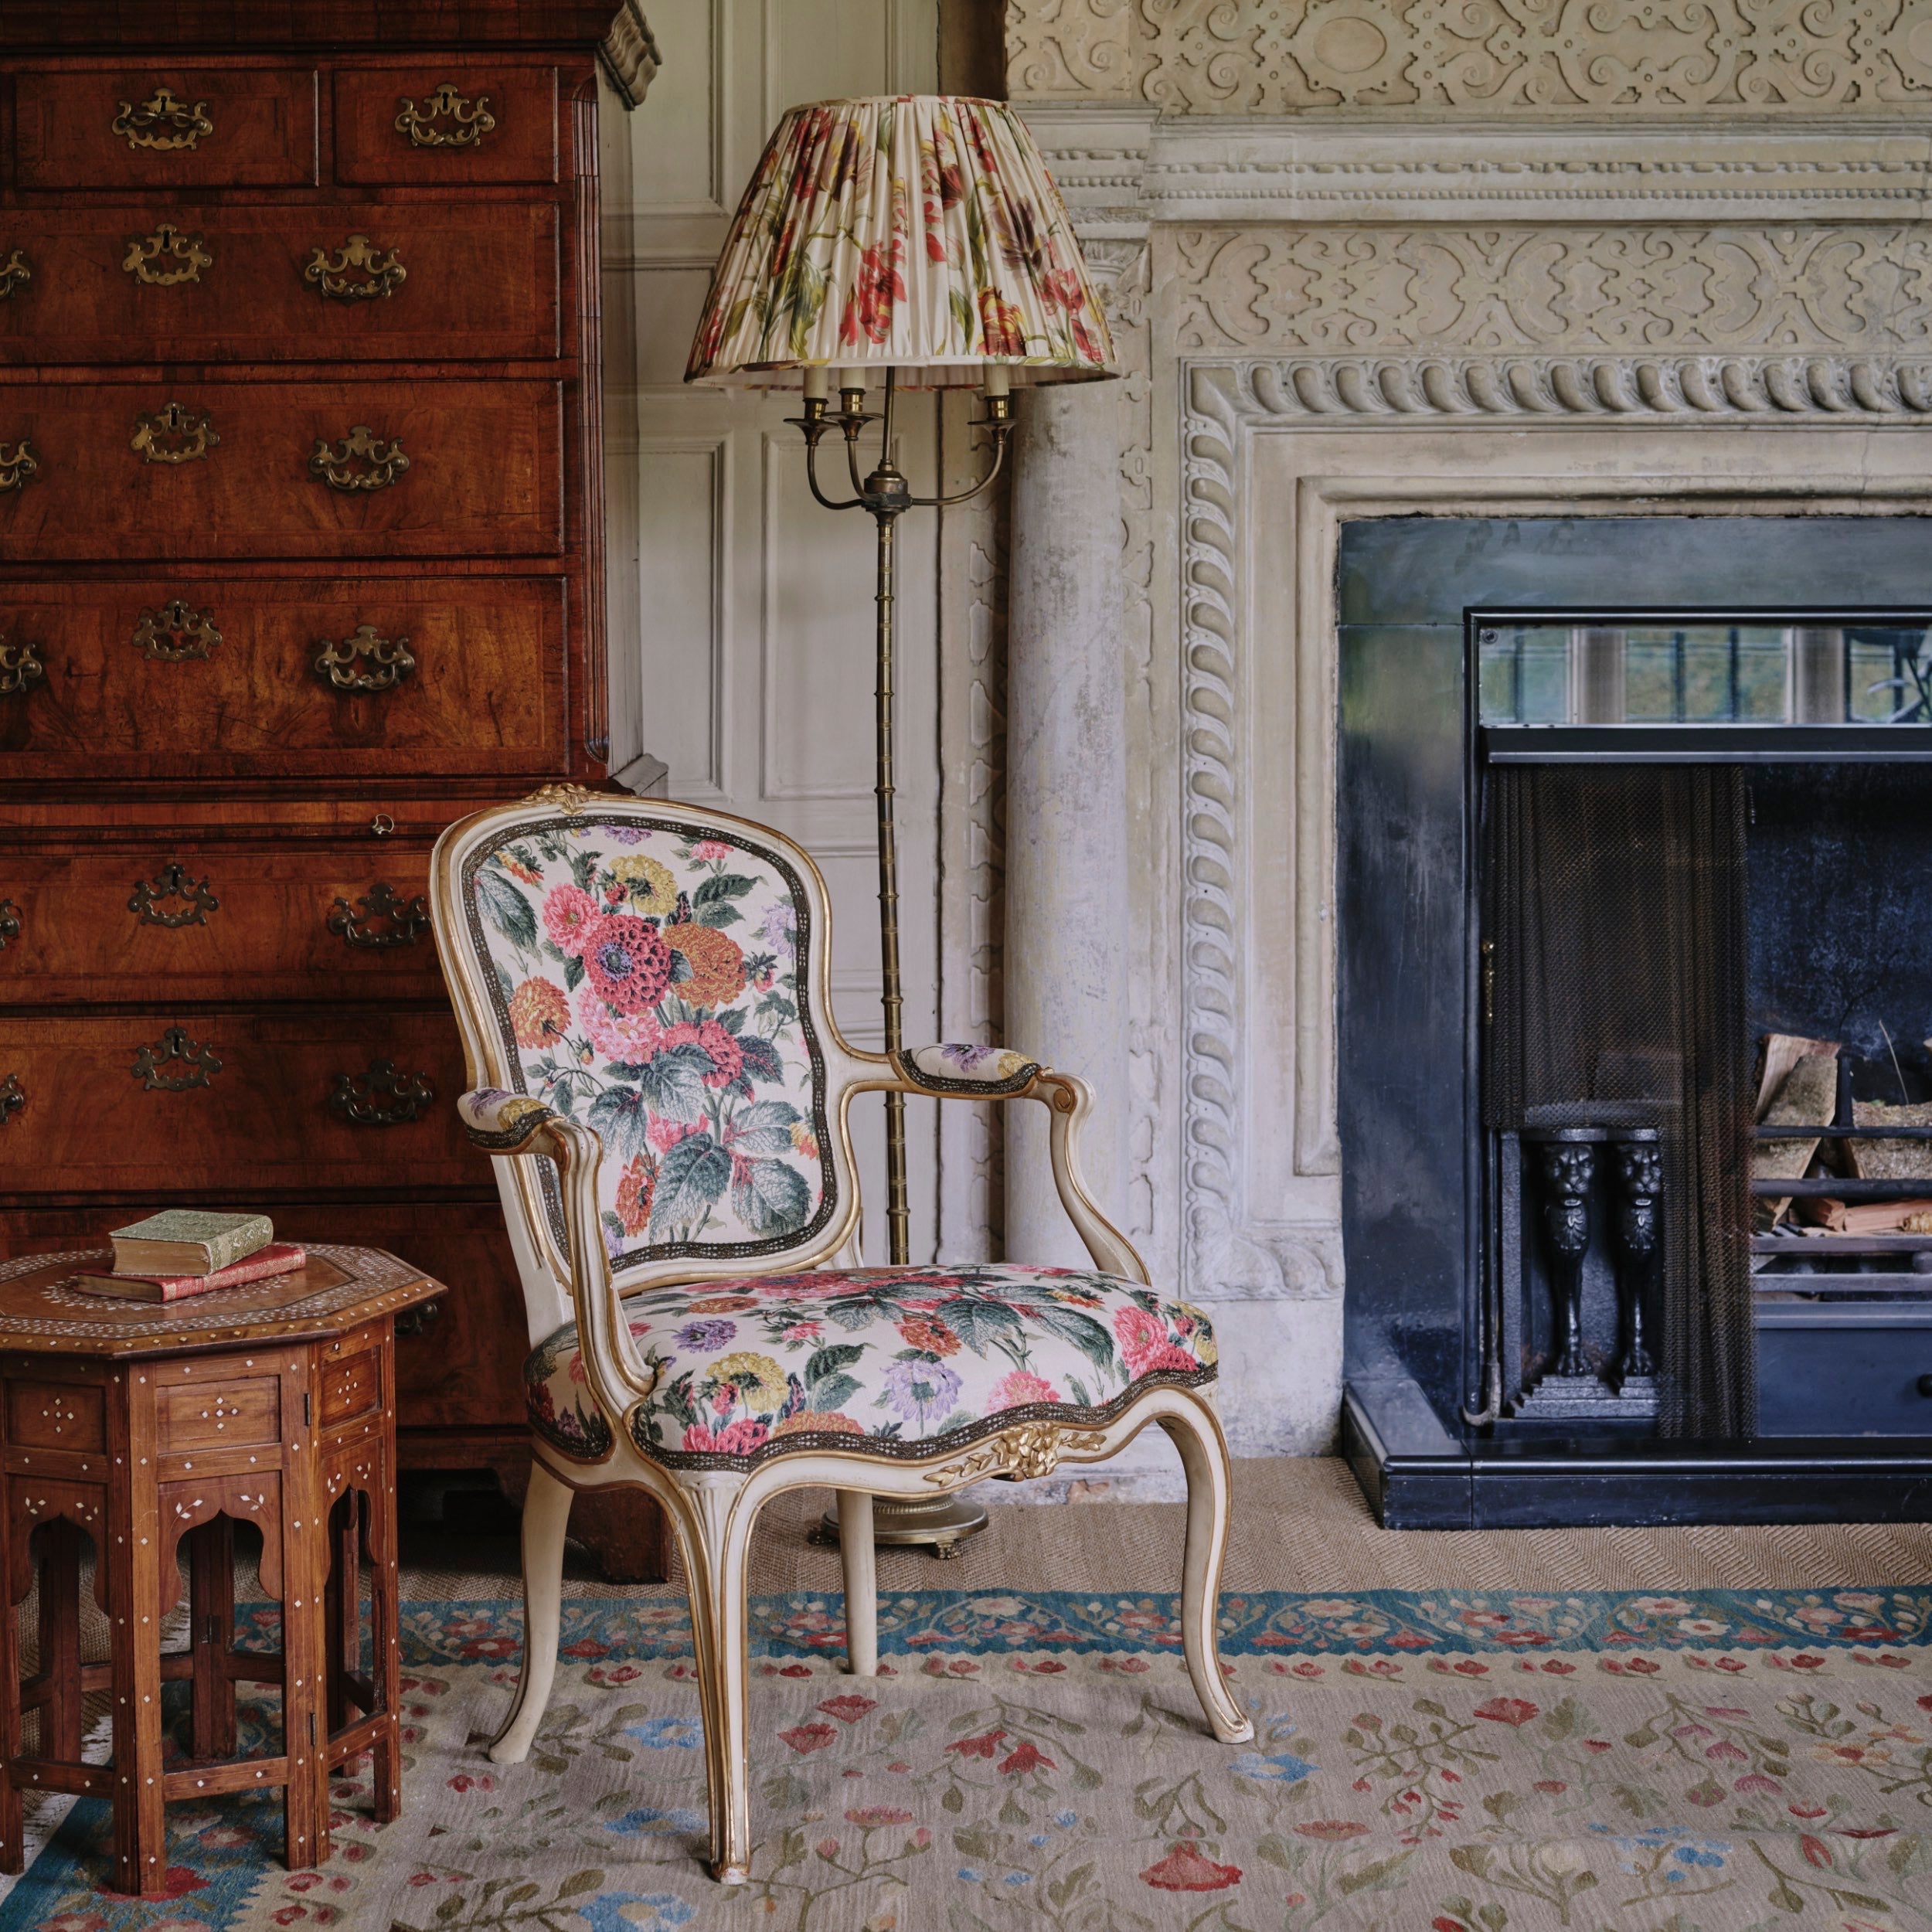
144, 1428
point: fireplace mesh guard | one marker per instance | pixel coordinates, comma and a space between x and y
1615, 995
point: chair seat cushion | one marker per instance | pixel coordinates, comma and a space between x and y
892, 1362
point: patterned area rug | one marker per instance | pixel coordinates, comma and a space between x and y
1722, 1761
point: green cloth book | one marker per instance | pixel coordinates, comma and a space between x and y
188, 1241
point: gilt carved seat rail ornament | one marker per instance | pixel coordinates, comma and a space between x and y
20, 668
365, 661
175, 631
14, 274
167, 257
150, 896
174, 1063
360, 461
163, 123
381, 1097
359, 270
446, 119
19, 465
380, 919
174, 434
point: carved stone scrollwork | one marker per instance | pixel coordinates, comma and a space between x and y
448, 118
360, 271
20, 668
360, 461
174, 434
381, 1097
172, 882
14, 274
175, 631
365, 661
163, 123
381, 919
13, 1097
1027, 1449
165, 257
198, 1064
19, 465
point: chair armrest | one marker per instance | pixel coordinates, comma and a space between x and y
504, 1122
979, 1073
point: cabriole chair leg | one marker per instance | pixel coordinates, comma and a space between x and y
716, 1540
1204, 1455
547, 1515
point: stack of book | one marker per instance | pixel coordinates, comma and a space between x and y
188, 1251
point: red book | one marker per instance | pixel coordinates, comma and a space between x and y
279, 1257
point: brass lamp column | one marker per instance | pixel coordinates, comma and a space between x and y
920, 238
886, 494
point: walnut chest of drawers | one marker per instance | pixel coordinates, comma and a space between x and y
301, 558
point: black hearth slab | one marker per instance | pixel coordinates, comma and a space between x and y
1414, 1473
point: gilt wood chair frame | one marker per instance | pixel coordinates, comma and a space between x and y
714, 1511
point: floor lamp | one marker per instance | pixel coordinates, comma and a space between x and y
914, 242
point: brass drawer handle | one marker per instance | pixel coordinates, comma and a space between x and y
362, 461
197, 1063
377, 272
20, 668
9, 923
162, 124
446, 119
14, 274
365, 662
380, 919
173, 433
165, 257
381, 1097
418, 1320
175, 631
172, 882
18, 466
13, 1097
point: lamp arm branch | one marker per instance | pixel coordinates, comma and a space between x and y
984, 484
811, 477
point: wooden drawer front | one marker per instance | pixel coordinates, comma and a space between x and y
459, 1359
484, 473
211, 284
260, 132
484, 695
522, 145
47, 1415
216, 922
241, 1414
351, 1388
265, 1117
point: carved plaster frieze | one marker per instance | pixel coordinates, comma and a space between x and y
1669, 291
1524, 56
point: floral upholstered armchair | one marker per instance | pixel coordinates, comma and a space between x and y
641, 990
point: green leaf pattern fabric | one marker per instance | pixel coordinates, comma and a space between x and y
649, 984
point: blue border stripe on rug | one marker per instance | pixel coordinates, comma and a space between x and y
1258, 1623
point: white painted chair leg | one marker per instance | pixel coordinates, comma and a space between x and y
861, 1563
1204, 1455
546, 1515
716, 1570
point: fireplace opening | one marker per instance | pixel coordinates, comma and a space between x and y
1652, 898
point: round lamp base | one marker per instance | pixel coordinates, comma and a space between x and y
942, 1523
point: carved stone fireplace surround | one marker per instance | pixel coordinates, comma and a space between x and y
1346, 306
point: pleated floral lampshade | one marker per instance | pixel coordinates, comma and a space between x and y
919, 232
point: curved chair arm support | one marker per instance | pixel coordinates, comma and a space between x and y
513, 1123
1069, 1101
966, 1072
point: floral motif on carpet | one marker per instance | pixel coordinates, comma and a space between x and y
1716, 1761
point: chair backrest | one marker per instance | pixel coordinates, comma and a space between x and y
656, 971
